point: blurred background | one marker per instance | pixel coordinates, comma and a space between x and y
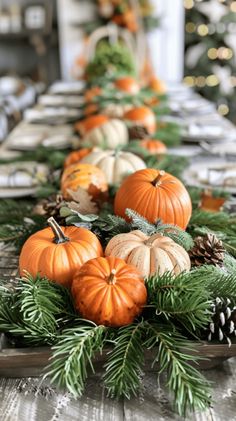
190, 40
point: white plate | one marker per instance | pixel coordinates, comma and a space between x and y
190, 174
15, 193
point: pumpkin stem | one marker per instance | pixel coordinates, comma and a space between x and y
59, 234
111, 277
156, 181
153, 237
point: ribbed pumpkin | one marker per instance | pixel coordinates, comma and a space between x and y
149, 254
127, 84
89, 123
115, 165
58, 252
76, 156
110, 134
154, 147
116, 110
142, 116
109, 292
86, 176
155, 195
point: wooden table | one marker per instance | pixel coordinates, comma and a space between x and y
32, 399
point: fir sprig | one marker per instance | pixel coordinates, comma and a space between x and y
73, 354
173, 355
125, 362
180, 299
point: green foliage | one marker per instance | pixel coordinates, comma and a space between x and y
73, 353
109, 59
34, 310
125, 362
222, 224
180, 299
191, 390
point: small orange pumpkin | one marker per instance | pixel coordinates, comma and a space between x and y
154, 147
90, 123
127, 84
58, 252
142, 116
91, 109
91, 93
109, 292
157, 85
76, 156
86, 176
155, 195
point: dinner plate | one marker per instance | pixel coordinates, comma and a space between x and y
200, 167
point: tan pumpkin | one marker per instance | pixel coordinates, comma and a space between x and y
115, 110
149, 254
110, 134
115, 165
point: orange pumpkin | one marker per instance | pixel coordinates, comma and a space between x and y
58, 252
90, 109
90, 123
76, 156
154, 147
109, 292
157, 85
127, 19
86, 176
155, 194
142, 116
92, 92
127, 84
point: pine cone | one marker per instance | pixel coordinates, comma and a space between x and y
138, 132
50, 207
223, 324
207, 250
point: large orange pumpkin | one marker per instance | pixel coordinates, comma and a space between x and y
76, 156
142, 116
90, 123
155, 194
127, 84
154, 147
86, 176
109, 292
58, 252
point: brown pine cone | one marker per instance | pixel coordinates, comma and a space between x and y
50, 207
207, 250
138, 133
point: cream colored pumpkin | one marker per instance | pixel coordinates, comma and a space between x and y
149, 254
110, 134
115, 165
113, 110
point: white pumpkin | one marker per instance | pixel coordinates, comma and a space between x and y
115, 165
110, 134
113, 110
149, 254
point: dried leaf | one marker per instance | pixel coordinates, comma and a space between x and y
82, 202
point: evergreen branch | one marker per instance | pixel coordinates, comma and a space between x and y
73, 354
172, 164
190, 388
181, 299
123, 368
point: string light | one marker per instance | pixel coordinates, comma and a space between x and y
233, 80
188, 4
189, 80
224, 53
202, 30
190, 27
223, 109
212, 80
200, 81
233, 6
212, 53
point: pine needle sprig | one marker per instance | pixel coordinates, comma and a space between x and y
73, 355
175, 355
181, 300
35, 310
123, 368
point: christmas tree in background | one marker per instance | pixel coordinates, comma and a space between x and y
210, 51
